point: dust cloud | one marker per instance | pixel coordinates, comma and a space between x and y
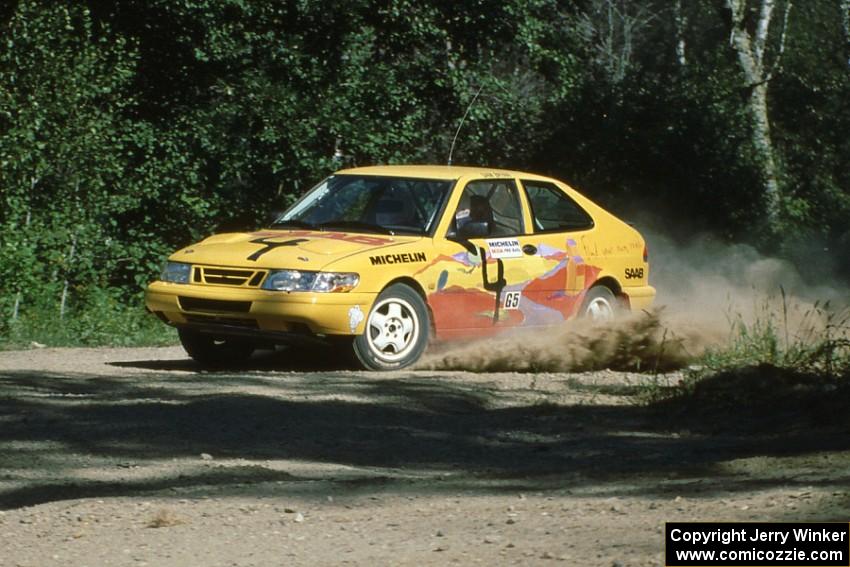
704, 287
637, 342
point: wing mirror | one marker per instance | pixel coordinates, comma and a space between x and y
471, 229
468, 231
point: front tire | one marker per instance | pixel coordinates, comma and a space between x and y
208, 350
396, 332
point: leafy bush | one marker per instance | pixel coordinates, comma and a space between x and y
129, 129
781, 348
784, 371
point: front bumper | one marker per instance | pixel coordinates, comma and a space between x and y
256, 312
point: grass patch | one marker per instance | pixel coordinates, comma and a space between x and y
102, 319
785, 369
165, 519
812, 340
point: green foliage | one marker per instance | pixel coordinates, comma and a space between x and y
811, 115
775, 356
128, 129
814, 340
97, 318
63, 148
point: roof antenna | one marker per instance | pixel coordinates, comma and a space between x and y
459, 126
339, 157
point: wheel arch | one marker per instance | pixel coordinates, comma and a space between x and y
611, 283
418, 288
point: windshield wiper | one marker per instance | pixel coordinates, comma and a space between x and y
357, 225
295, 223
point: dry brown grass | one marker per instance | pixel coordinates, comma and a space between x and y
165, 519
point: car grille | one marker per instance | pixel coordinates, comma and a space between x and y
228, 276
215, 305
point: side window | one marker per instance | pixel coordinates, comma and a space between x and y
488, 208
553, 210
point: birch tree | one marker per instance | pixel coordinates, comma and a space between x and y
750, 43
612, 29
845, 21
681, 22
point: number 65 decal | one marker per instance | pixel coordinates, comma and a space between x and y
512, 299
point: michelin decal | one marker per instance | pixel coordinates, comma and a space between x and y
504, 248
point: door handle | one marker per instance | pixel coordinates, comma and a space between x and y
530, 249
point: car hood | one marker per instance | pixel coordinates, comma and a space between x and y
304, 249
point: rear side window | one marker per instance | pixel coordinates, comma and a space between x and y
553, 210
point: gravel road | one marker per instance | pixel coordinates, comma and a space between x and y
134, 457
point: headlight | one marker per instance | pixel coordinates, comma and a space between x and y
334, 282
176, 272
298, 280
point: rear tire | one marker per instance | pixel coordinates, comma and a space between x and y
600, 305
212, 351
396, 331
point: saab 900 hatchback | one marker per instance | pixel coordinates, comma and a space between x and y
383, 259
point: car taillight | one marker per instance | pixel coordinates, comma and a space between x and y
645, 254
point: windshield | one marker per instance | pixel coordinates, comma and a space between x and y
368, 203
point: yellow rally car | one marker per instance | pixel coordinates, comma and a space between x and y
384, 258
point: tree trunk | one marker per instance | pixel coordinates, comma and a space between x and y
681, 23
763, 144
750, 49
845, 21
19, 296
66, 283
614, 30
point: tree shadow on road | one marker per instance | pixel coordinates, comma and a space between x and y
305, 358
415, 431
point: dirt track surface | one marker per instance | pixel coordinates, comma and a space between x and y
133, 457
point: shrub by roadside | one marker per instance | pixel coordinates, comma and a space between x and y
782, 372
101, 318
